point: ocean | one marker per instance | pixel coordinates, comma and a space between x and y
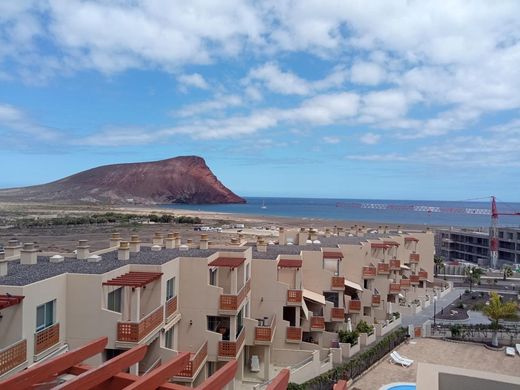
399, 212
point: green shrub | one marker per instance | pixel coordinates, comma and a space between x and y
396, 314
348, 337
364, 327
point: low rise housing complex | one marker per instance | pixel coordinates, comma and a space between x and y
267, 305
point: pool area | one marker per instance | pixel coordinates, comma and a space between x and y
399, 386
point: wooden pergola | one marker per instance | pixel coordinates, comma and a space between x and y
134, 279
7, 300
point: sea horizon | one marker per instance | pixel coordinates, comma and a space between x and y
348, 209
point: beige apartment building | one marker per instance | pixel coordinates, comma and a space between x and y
267, 305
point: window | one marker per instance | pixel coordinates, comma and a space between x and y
170, 288
213, 276
45, 315
114, 300
168, 338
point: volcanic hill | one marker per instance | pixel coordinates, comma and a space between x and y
185, 179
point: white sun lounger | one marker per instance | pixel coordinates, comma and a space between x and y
396, 360
518, 348
510, 351
403, 358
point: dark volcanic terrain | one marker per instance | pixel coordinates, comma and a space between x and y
176, 180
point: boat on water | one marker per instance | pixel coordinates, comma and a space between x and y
263, 205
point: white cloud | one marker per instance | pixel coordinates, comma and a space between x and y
370, 138
193, 80
378, 157
331, 140
384, 105
219, 103
367, 73
16, 124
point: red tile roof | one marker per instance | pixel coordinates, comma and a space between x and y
231, 262
134, 279
332, 255
391, 243
290, 263
379, 245
7, 300
411, 239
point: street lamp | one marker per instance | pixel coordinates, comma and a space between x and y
470, 279
434, 310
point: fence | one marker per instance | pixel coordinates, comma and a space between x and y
478, 333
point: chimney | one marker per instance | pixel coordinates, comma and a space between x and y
327, 232
115, 239
189, 243
177, 237
341, 232
123, 252
12, 248
157, 239
234, 241
313, 234
386, 229
82, 252
380, 229
135, 244
169, 241
281, 236
261, 245
3, 264
28, 254
240, 238
204, 243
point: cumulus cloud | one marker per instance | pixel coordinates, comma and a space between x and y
368, 73
370, 138
331, 140
219, 103
193, 80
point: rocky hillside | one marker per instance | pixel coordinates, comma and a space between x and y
176, 180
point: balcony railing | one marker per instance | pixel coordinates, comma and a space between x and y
196, 360
264, 334
405, 283
415, 257
136, 331
354, 306
383, 268
317, 323
233, 302
170, 307
294, 297
369, 272
395, 265
423, 275
46, 338
414, 279
395, 288
230, 349
294, 334
12, 356
337, 283
376, 300
337, 314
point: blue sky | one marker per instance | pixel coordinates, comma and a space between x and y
402, 99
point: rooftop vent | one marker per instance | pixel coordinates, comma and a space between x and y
156, 248
184, 247
94, 259
56, 259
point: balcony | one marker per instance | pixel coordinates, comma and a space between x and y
383, 268
230, 349
376, 300
354, 306
337, 314
294, 334
414, 279
170, 307
423, 275
196, 360
415, 258
337, 283
405, 283
395, 265
46, 338
136, 331
233, 302
317, 323
395, 288
264, 334
294, 297
369, 272
13, 356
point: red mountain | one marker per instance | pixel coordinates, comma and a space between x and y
185, 179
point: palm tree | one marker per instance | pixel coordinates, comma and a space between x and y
508, 272
498, 310
439, 262
473, 275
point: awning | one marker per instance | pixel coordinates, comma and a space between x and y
314, 296
353, 285
305, 310
405, 267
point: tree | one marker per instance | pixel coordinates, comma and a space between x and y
473, 275
498, 310
439, 264
508, 272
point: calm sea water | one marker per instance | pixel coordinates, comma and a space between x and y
311, 208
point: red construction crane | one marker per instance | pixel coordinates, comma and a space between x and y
493, 212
